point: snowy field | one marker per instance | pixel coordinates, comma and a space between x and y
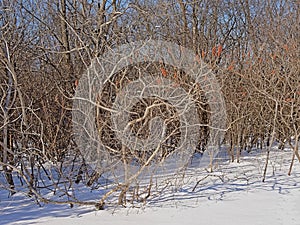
233, 194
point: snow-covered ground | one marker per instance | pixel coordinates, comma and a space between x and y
233, 194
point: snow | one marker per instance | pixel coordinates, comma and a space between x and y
233, 194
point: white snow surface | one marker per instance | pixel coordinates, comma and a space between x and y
233, 194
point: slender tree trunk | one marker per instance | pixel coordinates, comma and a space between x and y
65, 39
195, 30
7, 170
185, 22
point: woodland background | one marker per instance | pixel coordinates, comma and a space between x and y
45, 46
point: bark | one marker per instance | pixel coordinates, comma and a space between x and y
65, 39
6, 168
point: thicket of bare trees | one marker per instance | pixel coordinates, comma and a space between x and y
45, 46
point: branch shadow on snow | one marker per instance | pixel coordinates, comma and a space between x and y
237, 178
226, 183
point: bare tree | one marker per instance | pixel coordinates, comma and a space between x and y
46, 46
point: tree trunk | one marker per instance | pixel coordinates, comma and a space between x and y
7, 170
65, 39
